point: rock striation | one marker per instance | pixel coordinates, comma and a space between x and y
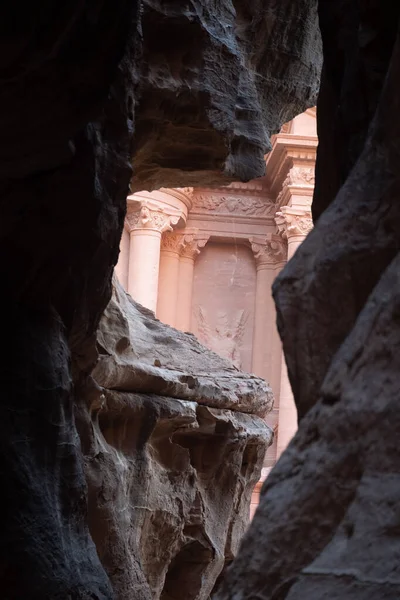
173, 449
327, 525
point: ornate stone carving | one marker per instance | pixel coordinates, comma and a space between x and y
172, 242
187, 190
227, 335
243, 205
193, 246
302, 175
269, 251
297, 176
184, 244
292, 222
149, 218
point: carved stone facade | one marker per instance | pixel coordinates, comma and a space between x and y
146, 218
211, 256
293, 222
227, 335
224, 204
269, 251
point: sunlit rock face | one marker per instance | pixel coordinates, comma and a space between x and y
327, 525
216, 80
173, 450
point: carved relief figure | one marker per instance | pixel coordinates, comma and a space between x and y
225, 338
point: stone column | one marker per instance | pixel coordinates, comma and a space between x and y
294, 224
190, 250
171, 246
270, 255
146, 223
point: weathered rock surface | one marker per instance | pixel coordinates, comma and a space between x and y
170, 478
327, 525
71, 77
328, 519
138, 352
217, 80
66, 123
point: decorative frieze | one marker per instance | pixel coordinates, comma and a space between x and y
244, 205
299, 175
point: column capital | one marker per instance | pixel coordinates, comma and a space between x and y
268, 251
193, 246
172, 242
301, 175
293, 222
147, 215
186, 243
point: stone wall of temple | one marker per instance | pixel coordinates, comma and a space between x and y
223, 301
204, 261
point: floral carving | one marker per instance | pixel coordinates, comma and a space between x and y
172, 242
193, 247
244, 205
302, 175
146, 218
184, 244
269, 252
291, 222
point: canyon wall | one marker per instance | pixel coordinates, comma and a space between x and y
217, 79
198, 88
327, 525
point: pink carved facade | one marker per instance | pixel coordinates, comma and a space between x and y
204, 261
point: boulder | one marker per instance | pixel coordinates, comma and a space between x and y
172, 454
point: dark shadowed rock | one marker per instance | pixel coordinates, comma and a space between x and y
217, 80
328, 518
327, 525
66, 122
